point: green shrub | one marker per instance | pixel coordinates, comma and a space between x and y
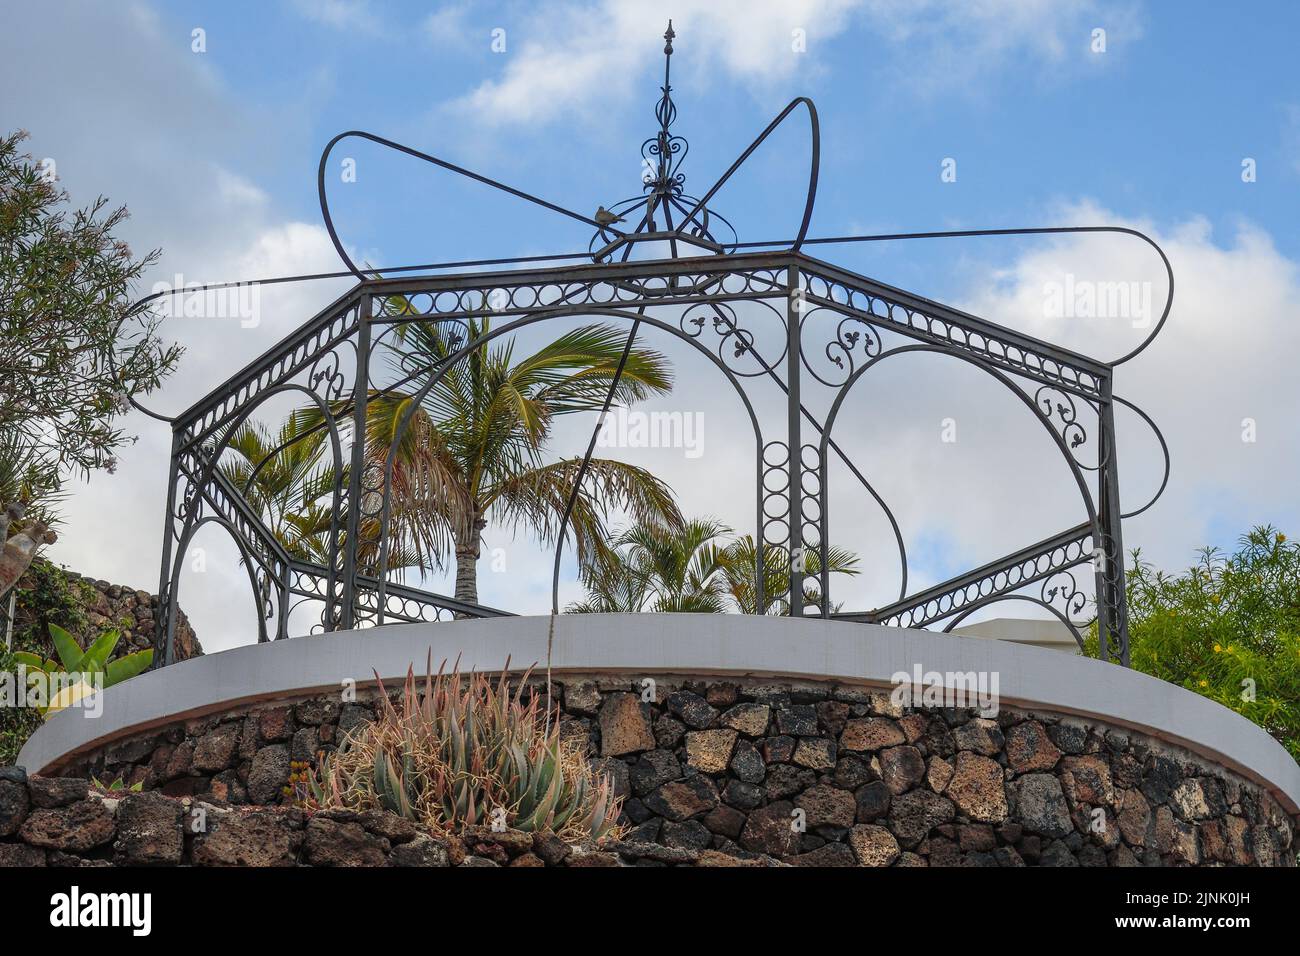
45, 595
458, 755
1227, 628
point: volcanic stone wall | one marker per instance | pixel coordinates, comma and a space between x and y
802, 773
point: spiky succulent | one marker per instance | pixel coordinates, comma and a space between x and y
462, 750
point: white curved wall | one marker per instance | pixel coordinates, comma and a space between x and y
653, 644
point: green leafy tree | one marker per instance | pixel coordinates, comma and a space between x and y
1227, 628
69, 362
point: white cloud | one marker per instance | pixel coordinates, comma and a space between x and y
579, 57
350, 15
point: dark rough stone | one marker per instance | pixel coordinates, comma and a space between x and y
75, 828
669, 732
725, 821
582, 697
976, 837
852, 772
784, 780
130, 751
149, 830
653, 769
393, 828
625, 726
275, 724
771, 830
593, 858
18, 854
1161, 777
1057, 853
871, 733
331, 843
1007, 856
825, 805
645, 852
231, 838
226, 787
636, 810
1030, 748
646, 832
816, 753
872, 801
980, 735
797, 720
216, 748
317, 711
353, 717
306, 744
750, 719
693, 709
421, 851
778, 749
743, 796
1039, 804
722, 694
14, 806
682, 799
1086, 779
913, 814
832, 715
551, 848
747, 763
50, 792
179, 764
832, 854
686, 835
902, 768
873, 845
269, 774
710, 751
977, 787
1069, 738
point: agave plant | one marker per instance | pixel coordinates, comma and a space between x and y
461, 752
92, 665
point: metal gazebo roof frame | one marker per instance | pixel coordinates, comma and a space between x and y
833, 324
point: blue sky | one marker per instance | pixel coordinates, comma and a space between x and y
1157, 126
216, 154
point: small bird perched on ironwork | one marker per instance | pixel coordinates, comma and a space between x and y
604, 217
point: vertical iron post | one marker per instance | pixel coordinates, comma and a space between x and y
360, 394
793, 317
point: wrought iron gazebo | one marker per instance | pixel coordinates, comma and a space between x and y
763, 314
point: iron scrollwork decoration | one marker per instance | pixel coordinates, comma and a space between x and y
762, 313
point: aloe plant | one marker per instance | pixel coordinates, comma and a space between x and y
463, 749
92, 664
117, 786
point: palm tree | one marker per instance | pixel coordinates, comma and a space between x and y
475, 447
653, 568
283, 475
740, 571
656, 568
287, 478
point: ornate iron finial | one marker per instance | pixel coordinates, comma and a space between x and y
661, 208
